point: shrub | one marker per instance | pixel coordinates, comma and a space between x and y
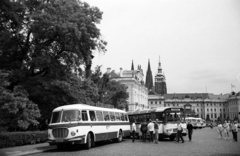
22, 138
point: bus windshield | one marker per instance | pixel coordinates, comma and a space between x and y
56, 116
174, 116
70, 115
67, 116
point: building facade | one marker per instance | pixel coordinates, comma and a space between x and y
138, 93
205, 105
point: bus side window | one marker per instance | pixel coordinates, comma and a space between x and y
117, 116
126, 117
131, 118
99, 115
122, 117
106, 116
92, 115
84, 116
112, 116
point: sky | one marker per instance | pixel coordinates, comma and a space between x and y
196, 41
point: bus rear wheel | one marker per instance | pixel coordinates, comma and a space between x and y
120, 136
171, 138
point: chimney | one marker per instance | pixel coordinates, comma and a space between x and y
108, 70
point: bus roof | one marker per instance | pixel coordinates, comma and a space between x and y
160, 109
86, 107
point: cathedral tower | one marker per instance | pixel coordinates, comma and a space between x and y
160, 81
149, 78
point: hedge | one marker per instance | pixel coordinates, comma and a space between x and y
11, 139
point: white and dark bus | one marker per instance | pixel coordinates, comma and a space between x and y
85, 124
167, 120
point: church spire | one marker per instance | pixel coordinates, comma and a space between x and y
159, 66
149, 78
132, 66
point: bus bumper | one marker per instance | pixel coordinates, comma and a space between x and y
71, 141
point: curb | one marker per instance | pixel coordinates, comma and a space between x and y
26, 150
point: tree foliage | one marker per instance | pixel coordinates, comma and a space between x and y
48, 37
17, 112
46, 51
42, 43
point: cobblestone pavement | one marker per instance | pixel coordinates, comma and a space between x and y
205, 142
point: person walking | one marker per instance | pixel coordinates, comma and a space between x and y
150, 130
156, 128
235, 130
190, 130
134, 128
219, 130
226, 129
179, 131
140, 133
144, 128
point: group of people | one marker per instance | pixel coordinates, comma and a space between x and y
226, 128
150, 128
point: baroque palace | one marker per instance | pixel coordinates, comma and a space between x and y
146, 95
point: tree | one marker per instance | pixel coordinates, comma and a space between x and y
48, 37
110, 92
17, 112
116, 94
42, 43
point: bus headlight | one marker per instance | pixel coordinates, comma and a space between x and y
73, 133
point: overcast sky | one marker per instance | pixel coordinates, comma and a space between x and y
198, 41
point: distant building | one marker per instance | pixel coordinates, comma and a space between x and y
133, 79
205, 105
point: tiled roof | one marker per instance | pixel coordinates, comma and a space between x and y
186, 95
196, 96
221, 97
113, 75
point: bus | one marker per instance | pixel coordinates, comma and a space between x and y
196, 122
85, 124
167, 120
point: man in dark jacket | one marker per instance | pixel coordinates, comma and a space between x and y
144, 129
190, 130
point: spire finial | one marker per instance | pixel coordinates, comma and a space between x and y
132, 66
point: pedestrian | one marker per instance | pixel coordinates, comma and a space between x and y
156, 128
226, 129
235, 130
179, 131
190, 130
144, 130
134, 128
140, 133
219, 130
231, 126
150, 130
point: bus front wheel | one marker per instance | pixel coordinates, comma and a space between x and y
90, 141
